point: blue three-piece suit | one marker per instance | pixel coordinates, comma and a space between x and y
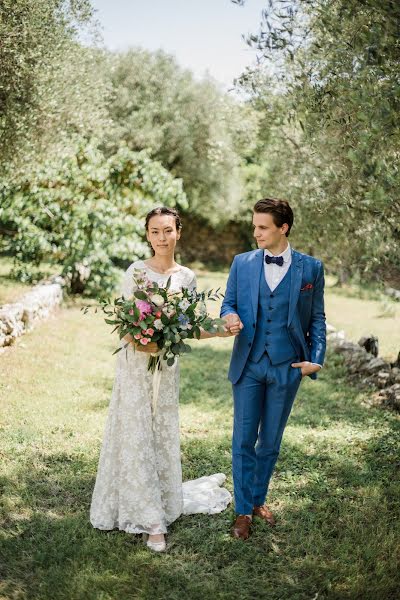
280, 327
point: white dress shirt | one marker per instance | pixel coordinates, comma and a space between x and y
274, 273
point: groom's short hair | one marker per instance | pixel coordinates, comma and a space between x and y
279, 209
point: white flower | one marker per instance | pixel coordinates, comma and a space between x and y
158, 324
157, 299
184, 304
169, 311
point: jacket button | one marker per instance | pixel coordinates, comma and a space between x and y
268, 333
271, 295
269, 320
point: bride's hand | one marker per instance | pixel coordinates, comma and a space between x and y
151, 348
225, 333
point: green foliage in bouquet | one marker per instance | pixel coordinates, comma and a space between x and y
157, 314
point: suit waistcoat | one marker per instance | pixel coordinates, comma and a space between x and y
271, 335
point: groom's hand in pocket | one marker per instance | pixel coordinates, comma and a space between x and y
307, 368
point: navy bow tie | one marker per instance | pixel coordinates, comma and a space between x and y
277, 260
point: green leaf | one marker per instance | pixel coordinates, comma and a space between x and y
140, 295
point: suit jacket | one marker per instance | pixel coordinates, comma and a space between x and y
306, 316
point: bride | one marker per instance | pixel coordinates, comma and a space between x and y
138, 486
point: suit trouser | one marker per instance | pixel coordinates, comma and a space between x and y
263, 398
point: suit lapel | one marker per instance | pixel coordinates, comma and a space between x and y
295, 283
255, 269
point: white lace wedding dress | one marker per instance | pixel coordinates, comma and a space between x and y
139, 479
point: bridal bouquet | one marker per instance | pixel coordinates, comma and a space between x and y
156, 314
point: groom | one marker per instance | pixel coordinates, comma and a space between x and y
275, 300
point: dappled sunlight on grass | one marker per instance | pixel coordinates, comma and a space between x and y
335, 492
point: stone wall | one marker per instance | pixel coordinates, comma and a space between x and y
34, 306
367, 368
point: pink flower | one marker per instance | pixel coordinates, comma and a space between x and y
158, 314
145, 341
144, 307
131, 311
137, 336
149, 331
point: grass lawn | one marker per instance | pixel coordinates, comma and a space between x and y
335, 492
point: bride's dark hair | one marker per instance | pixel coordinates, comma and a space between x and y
164, 210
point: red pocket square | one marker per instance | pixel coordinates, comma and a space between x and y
308, 286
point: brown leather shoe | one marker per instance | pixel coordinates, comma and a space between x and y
241, 527
264, 513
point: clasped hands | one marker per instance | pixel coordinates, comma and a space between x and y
233, 325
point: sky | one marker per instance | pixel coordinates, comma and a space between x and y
203, 35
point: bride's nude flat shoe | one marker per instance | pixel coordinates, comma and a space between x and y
155, 546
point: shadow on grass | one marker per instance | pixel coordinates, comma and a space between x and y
204, 379
336, 501
335, 534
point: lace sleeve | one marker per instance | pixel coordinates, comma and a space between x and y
192, 285
127, 282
